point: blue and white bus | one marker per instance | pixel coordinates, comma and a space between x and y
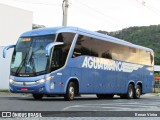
68, 61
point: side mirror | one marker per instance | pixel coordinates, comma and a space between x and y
6, 48
50, 46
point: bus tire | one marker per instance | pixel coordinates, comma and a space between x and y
130, 92
70, 93
137, 92
37, 96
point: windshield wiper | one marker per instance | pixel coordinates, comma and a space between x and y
21, 65
32, 63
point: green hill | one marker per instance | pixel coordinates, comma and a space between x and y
148, 36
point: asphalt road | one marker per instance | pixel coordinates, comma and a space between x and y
20, 102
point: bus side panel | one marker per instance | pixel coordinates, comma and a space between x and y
65, 78
147, 85
110, 80
54, 84
87, 81
105, 82
121, 82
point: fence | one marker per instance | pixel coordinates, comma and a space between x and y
157, 84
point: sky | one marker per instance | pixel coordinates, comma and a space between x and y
108, 15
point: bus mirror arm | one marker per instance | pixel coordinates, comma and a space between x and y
50, 46
6, 48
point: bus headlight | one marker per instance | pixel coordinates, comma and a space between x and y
41, 81
46, 79
49, 78
11, 81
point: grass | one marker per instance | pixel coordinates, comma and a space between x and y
156, 90
4, 90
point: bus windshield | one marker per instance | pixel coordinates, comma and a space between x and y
29, 57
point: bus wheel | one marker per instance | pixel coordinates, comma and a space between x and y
130, 92
37, 96
70, 93
137, 92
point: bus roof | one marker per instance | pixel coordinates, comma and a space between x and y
55, 30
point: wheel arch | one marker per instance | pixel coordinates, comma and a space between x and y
131, 82
75, 80
140, 84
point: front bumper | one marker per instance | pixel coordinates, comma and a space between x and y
26, 87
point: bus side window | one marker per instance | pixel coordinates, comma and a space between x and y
60, 52
151, 58
107, 55
60, 38
85, 46
56, 61
76, 54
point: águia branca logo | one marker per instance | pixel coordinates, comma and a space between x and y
110, 65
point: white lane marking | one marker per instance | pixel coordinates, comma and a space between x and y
66, 108
118, 106
95, 107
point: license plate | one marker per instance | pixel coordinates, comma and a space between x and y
24, 89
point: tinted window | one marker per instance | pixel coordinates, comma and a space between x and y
60, 52
94, 47
85, 46
145, 57
98, 48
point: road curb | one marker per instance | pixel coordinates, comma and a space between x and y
152, 94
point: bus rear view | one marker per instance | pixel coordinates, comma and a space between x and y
52, 62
